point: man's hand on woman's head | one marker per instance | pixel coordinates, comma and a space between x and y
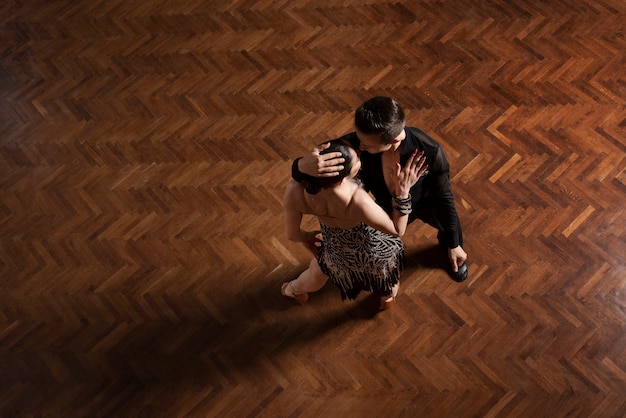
321, 165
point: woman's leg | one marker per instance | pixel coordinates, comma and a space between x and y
310, 280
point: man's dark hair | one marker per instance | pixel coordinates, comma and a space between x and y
313, 185
382, 116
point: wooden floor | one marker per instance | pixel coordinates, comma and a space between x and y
144, 149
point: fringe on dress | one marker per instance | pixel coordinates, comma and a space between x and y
361, 259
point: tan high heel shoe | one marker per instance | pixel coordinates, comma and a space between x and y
387, 302
299, 297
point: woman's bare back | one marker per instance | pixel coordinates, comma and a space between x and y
332, 205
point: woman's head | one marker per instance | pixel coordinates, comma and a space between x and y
351, 166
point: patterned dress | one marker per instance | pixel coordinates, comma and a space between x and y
361, 259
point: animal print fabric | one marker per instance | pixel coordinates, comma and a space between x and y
361, 259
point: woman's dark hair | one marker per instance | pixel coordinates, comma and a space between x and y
313, 185
381, 116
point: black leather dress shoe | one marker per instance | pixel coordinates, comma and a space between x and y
461, 273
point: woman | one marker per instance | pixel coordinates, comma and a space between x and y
361, 248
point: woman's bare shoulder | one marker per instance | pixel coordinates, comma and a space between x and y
294, 194
360, 197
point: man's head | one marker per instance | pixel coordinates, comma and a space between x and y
379, 122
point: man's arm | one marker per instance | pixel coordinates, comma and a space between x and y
445, 206
444, 199
317, 165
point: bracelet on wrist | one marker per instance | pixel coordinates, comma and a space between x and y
402, 205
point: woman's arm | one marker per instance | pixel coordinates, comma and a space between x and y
364, 209
293, 214
293, 203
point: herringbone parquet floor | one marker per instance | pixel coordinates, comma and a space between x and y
144, 148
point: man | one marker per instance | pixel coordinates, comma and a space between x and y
384, 139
